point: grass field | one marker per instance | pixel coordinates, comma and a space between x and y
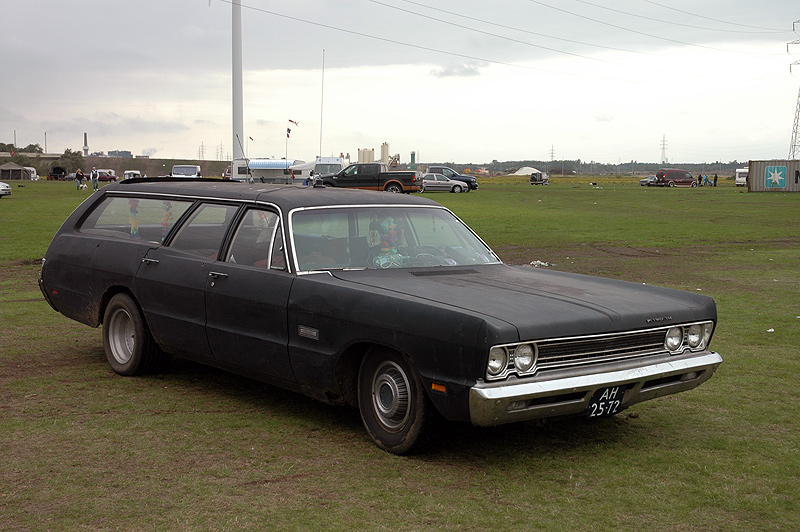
199, 449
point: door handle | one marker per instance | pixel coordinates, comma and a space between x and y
149, 261
217, 275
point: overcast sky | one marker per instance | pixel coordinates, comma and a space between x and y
453, 80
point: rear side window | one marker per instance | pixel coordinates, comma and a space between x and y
134, 218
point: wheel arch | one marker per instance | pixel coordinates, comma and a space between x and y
110, 292
393, 182
349, 364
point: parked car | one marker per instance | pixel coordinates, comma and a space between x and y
186, 170
540, 178
649, 181
452, 174
674, 177
389, 303
5, 190
106, 174
70, 176
431, 182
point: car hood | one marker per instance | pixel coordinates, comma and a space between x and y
542, 303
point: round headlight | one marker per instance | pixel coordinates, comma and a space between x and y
674, 338
523, 357
497, 360
695, 335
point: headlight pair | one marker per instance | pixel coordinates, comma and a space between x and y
508, 358
695, 336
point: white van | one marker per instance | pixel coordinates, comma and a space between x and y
131, 174
185, 170
741, 177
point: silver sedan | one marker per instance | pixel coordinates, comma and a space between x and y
432, 182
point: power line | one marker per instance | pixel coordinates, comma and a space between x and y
637, 31
712, 19
529, 32
673, 23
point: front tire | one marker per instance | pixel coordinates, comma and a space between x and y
457, 189
393, 405
129, 346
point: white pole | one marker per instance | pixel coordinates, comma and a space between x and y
321, 101
236, 74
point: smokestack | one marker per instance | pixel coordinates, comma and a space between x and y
85, 145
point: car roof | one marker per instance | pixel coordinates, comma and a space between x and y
287, 197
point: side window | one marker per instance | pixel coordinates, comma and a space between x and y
134, 218
255, 238
203, 232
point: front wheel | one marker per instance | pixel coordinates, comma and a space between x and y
129, 346
671, 184
457, 189
393, 405
394, 188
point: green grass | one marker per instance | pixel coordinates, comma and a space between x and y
199, 449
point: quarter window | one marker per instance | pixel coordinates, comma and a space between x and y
134, 218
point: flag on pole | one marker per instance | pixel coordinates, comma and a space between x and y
288, 131
293, 122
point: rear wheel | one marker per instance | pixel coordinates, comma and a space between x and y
393, 405
394, 188
129, 346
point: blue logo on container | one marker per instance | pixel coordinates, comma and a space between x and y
775, 177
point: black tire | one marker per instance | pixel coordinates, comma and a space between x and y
393, 405
694, 185
130, 348
671, 184
394, 188
457, 189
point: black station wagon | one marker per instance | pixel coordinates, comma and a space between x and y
383, 301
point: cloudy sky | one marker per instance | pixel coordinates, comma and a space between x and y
453, 80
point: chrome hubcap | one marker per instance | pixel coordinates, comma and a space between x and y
390, 396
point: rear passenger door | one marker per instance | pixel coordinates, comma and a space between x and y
171, 281
246, 298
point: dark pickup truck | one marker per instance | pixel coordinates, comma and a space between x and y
374, 176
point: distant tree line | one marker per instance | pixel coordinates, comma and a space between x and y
577, 166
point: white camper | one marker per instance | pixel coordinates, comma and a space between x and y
741, 177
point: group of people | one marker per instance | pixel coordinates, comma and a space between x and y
94, 176
705, 181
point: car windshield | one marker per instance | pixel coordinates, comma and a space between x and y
384, 237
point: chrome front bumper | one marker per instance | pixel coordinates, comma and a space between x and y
507, 402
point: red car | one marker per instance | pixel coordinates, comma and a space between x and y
674, 177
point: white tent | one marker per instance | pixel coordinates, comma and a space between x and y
526, 170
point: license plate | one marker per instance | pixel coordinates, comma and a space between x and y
606, 402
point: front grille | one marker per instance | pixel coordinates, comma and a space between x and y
574, 351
